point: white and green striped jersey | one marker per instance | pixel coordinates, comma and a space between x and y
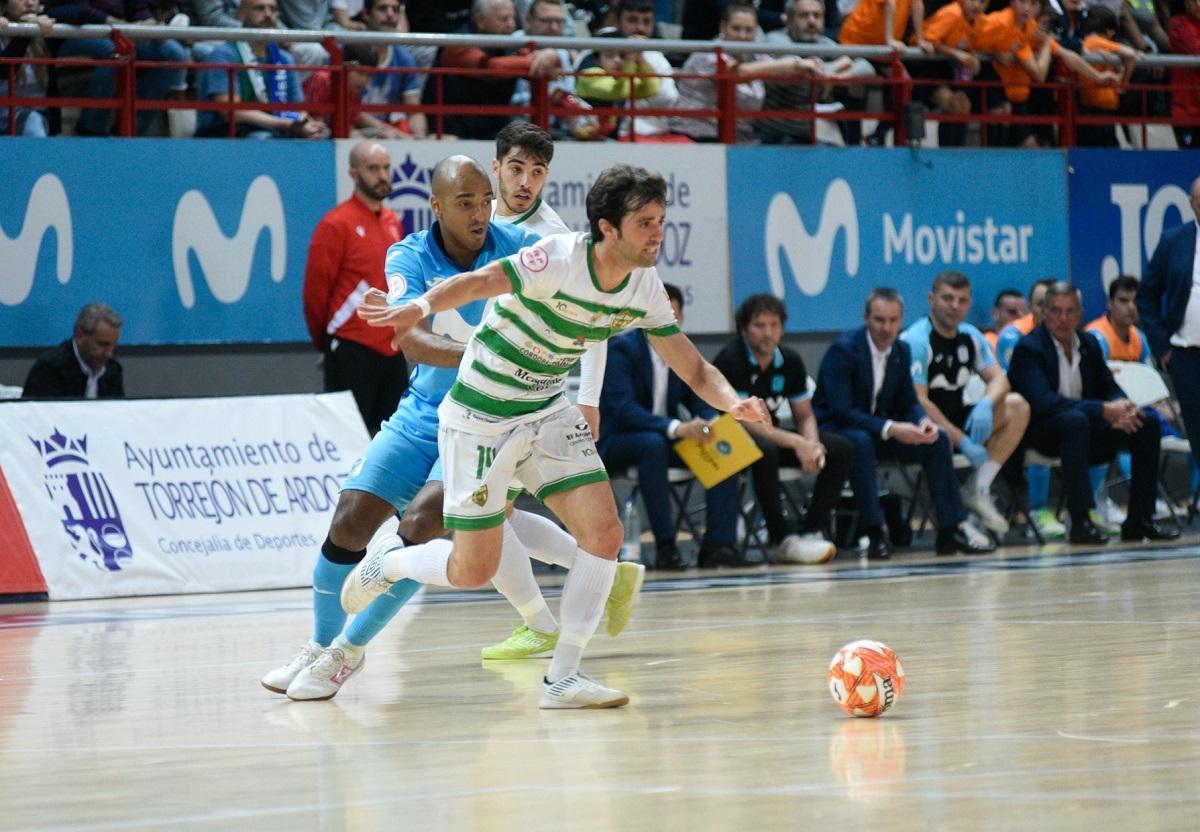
541, 219
516, 363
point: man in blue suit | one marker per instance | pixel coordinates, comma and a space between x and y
1082, 416
1171, 315
639, 422
865, 393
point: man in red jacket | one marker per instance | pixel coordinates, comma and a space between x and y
345, 259
1184, 33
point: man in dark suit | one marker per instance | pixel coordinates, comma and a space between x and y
1081, 416
640, 421
865, 393
81, 367
1171, 316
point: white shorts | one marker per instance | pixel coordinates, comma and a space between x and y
483, 472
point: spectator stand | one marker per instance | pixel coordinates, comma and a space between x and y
906, 120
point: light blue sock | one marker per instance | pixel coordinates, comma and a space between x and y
367, 624
1096, 474
328, 615
1126, 464
1039, 486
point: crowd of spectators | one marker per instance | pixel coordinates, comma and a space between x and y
1015, 44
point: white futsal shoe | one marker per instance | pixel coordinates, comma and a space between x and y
809, 548
366, 582
324, 678
580, 691
278, 680
981, 505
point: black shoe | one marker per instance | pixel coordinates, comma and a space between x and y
667, 558
720, 555
878, 545
955, 541
1084, 531
1137, 530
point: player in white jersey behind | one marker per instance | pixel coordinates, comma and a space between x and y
505, 423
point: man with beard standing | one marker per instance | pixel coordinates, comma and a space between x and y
345, 259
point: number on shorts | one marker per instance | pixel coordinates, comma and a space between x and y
486, 457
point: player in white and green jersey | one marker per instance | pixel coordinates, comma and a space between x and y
506, 422
522, 165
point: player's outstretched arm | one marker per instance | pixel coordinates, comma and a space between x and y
706, 380
487, 282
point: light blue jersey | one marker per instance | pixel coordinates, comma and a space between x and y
403, 456
919, 343
414, 266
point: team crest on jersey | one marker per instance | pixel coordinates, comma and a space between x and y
621, 320
397, 286
480, 496
534, 259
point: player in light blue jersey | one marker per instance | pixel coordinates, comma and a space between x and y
402, 458
946, 352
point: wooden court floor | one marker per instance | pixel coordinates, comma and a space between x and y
1045, 691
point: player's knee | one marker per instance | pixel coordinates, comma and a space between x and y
606, 540
423, 519
351, 526
423, 523
1016, 409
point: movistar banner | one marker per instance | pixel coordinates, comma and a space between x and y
190, 241
155, 497
1121, 203
820, 227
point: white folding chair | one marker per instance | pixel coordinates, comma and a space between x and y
1146, 387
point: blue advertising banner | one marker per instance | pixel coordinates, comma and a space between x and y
191, 241
820, 227
1121, 203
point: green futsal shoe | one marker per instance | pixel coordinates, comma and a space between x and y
524, 643
623, 596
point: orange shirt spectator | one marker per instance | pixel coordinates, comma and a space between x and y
1011, 45
1092, 94
867, 23
949, 27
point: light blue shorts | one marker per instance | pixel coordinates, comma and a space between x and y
397, 463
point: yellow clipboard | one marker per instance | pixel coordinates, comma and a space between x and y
731, 449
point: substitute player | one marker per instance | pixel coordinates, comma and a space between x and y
505, 419
946, 352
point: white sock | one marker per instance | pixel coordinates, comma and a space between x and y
514, 580
583, 598
425, 563
546, 540
984, 476
352, 651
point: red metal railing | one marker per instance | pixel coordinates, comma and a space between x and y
541, 110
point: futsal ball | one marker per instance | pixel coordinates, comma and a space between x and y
865, 678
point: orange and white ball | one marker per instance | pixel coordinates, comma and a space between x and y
865, 678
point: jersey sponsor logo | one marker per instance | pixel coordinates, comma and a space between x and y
397, 286
46, 210
1142, 219
88, 513
809, 256
534, 259
226, 261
